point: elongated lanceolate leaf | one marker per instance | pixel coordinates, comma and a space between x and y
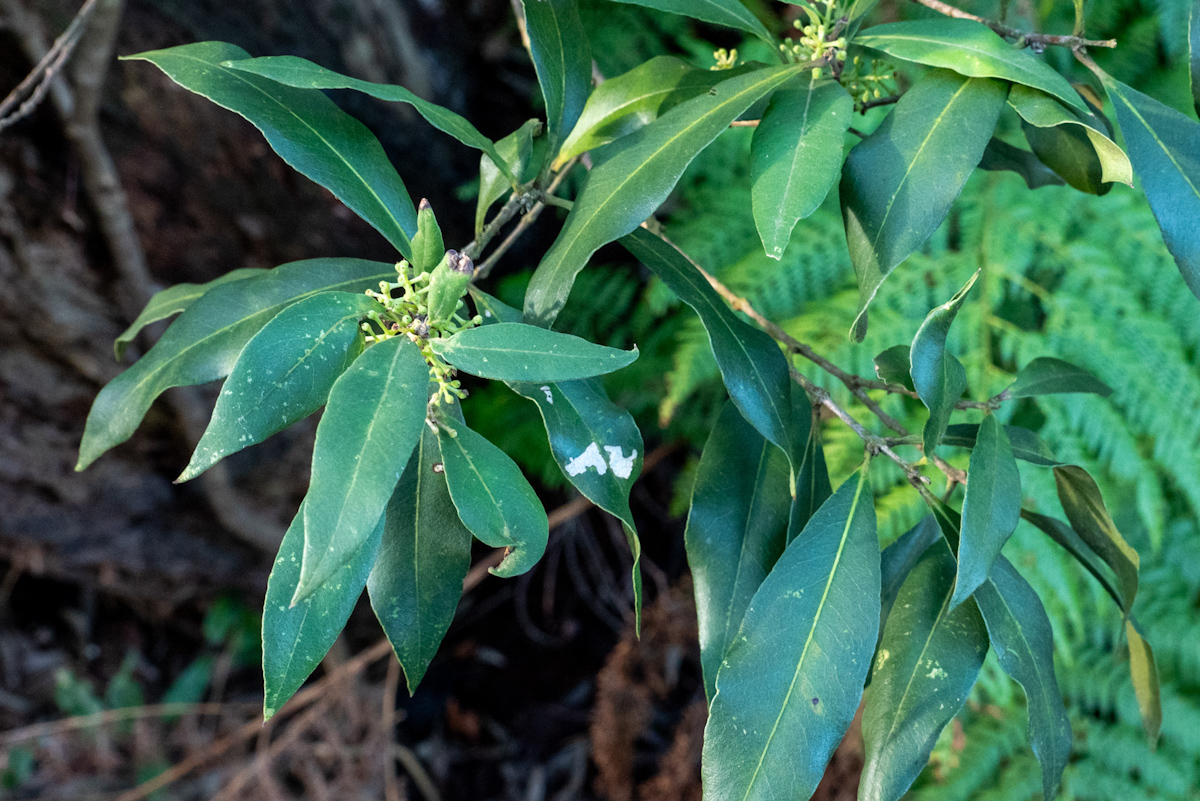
754, 369
938, 377
1144, 672
926, 664
1076, 143
203, 344
304, 127
1194, 52
563, 61
519, 352
999, 156
424, 557
626, 189
1164, 147
899, 182
899, 558
1026, 445
894, 366
621, 105
514, 150
304, 74
296, 638
792, 678
371, 425
1020, 632
493, 499
1064, 535
991, 507
1046, 376
796, 156
969, 48
172, 301
736, 530
491, 309
283, 374
730, 13
598, 447
811, 475
1085, 508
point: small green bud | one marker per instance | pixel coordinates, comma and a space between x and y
427, 245
447, 284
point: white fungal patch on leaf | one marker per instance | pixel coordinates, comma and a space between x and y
549, 395
589, 458
621, 465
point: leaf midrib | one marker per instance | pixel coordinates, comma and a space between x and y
1158, 141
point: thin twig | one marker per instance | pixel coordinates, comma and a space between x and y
880, 101
745, 123
1028, 38
526, 222
64, 725
391, 783
37, 83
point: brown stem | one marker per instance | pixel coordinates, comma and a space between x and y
1026, 37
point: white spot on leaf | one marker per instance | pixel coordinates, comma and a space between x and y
589, 458
622, 466
549, 394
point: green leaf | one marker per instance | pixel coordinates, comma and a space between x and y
428, 246
755, 371
634, 181
1020, 632
623, 104
1085, 508
519, 352
1077, 145
999, 156
969, 48
296, 638
899, 559
1047, 376
1164, 147
1026, 445
1144, 672
563, 61
812, 486
899, 182
796, 156
991, 507
304, 74
515, 151
793, 676
172, 301
893, 366
1065, 536
938, 377
424, 557
736, 529
491, 309
371, 425
925, 666
304, 127
598, 447
1194, 52
493, 498
283, 374
730, 13
203, 344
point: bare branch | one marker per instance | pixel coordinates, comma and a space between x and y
1027, 38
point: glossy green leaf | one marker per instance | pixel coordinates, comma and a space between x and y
1077, 144
754, 369
172, 301
793, 676
428, 246
894, 366
1047, 376
899, 558
304, 74
811, 475
730, 13
736, 530
306, 128
516, 151
926, 664
1144, 672
203, 344
969, 48
519, 352
899, 182
1089, 517
371, 425
627, 188
999, 156
938, 377
796, 156
491, 309
296, 638
424, 556
283, 374
1194, 52
563, 61
1020, 631
1026, 445
1164, 147
991, 507
623, 104
1066, 536
493, 499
